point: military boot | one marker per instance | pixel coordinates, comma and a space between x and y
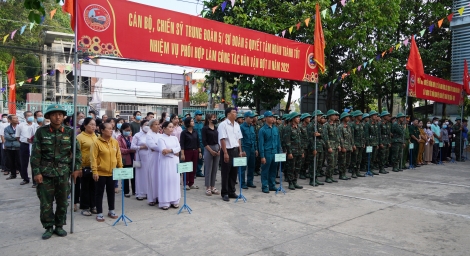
311, 183
359, 174
354, 175
328, 180
395, 169
320, 174
342, 177
297, 186
382, 171
291, 186
317, 182
374, 172
48, 233
302, 177
60, 231
332, 179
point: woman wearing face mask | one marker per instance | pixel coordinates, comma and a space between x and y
152, 143
169, 192
210, 140
125, 142
139, 144
176, 127
87, 191
190, 150
445, 140
422, 141
428, 144
117, 127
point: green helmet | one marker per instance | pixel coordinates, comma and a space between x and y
304, 115
357, 113
317, 113
330, 112
384, 113
365, 115
261, 116
401, 115
294, 115
239, 116
54, 108
343, 115
373, 112
220, 117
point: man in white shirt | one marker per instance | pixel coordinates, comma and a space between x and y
229, 140
24, 133
39, 117
4, 123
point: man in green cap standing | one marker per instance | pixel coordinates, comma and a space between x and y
257, 127
385, 142
315, 130
357, 129
331, 140
457, 131
295, 151
305, 119
51, 163
364, 161
372, 133
398, 131
346, 142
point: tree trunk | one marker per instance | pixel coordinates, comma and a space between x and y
289, 96
444, 110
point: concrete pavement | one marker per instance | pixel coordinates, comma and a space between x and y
425, 211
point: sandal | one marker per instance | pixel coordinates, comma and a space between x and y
139, 198
208, 192
175, 205
112, 215
116, 190
86, 213
215, 192
6, 173
75, 207
100, 218
151, 204
165, 208
194, 187
127, 195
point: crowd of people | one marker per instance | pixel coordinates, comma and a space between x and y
317, 145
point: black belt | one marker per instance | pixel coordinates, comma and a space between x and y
229, 149
24, 143
191, 149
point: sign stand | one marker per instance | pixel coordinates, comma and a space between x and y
411, 146
368, 151
122, 174
239, 162
441, 144
184, 168
452, 160
280, 158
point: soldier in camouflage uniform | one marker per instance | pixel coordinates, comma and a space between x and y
357, 129
372, 134
51, 163
364, 162
295, 151
457, 129
346, 141
305, 119
398, 144
385, 142
331, 140
315, 148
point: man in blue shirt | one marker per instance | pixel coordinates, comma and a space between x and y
198, 124
250, 147
436, 132
269, 145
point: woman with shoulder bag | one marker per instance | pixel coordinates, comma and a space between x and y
141, 163
210, 140
125, 142
87, 192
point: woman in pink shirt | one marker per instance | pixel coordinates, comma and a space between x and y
176, 127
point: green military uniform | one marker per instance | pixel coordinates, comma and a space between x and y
293, 144
357, 129
414, 130
407, 145
385, 143
397, 143
331, 140
257, 171
51, 157
346, 142
364, 161
315, 161
372, 133
456, 129
306, 160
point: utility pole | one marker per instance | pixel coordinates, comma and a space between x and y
1, 86
211, 100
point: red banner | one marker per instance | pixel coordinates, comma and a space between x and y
435, 89
135, 31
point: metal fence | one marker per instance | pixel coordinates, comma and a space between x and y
42, 106
204, 111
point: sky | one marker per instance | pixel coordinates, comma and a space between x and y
192, 7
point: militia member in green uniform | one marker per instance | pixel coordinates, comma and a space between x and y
346, 143
295, 151
314, 131
397, 142
457, 129
414, 139
331, 140
372, 133
357, 129
385, 142
364, 162
305, 119
257, 127
51, 163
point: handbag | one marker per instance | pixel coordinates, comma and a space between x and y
86, 172
137, 163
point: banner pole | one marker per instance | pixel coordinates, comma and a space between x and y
315, 137
461, 126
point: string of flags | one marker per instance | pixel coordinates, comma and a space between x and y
12, 34
394, 47
61, 68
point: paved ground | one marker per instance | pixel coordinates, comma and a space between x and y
425, 211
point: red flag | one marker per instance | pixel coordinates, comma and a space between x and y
466, 78
12, 85
415, 63
69, 7
319, 42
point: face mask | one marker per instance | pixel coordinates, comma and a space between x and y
80, 122
138, 118
47, 123
146, 129
428, 125
447, 123
167, 119
444, 126
126, 133
40, 119
4, 119
89, 116
436, 122
30, 119
119, 125
214, 121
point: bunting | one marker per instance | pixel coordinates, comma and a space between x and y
22, 28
